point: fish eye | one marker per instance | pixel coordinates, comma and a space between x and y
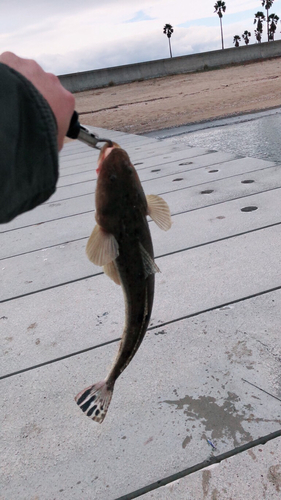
112, 177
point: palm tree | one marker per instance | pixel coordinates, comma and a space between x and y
236, 40
259, 18
267, 4
220, 7
246, 36
273, 19
168, 30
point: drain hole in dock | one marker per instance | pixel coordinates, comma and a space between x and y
139, 163
249, 209
156, 170
207, 191
186, 163
212, 171
247, 181
179, 179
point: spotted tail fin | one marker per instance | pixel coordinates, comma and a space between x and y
94, 401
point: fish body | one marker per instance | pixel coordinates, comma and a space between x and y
121, 243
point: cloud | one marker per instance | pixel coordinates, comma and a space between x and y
68, 36
131, 50
140, 16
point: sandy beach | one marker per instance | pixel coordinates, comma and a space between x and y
171, 101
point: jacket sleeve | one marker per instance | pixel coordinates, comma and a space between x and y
28, 146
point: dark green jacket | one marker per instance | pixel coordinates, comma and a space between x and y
28, 146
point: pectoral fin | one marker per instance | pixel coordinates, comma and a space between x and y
111, 271
159, 211
148, 263
102, 247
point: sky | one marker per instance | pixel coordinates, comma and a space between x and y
67, 36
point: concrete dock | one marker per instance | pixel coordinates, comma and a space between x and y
197, 413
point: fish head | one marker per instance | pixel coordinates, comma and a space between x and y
104, 152
118, 187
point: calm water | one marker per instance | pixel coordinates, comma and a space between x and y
257, 135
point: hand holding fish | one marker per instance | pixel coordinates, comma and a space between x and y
121, 243
59, 99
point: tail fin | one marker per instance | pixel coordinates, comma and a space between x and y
94, 400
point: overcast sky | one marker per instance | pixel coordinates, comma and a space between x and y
66, 36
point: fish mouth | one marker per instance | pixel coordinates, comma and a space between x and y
105, 151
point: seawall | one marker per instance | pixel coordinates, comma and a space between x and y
85, 80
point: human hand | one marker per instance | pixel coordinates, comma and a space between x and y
60, 100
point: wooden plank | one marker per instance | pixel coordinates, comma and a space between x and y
184, 386
198, 375
190, 281
196, 226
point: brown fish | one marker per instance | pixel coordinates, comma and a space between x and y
121, 243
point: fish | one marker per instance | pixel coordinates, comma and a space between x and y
121, 243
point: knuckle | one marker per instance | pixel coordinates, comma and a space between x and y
8, 56
53, 78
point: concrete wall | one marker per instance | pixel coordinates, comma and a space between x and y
86, 80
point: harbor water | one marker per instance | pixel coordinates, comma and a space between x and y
256, 135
